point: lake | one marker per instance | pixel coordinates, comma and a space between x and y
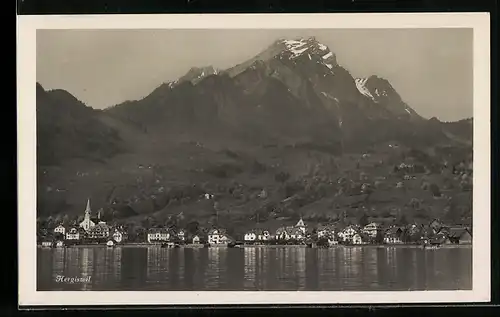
130, 268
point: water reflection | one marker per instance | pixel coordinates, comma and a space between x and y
250, 255
342, 268
87, 265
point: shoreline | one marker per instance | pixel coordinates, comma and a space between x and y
147, 245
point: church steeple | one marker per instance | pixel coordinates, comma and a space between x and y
87, 209
87, 223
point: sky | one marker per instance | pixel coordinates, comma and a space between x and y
432, 69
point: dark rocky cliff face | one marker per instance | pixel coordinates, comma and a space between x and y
67, 129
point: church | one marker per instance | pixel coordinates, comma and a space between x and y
87, 223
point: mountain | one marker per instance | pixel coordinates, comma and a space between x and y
290, 122
66, 129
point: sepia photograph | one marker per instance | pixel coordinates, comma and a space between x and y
266, 159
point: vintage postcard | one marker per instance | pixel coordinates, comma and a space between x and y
254, 159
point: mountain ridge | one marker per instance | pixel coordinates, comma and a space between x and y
289, 115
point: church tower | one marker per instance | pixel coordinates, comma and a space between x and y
86, 224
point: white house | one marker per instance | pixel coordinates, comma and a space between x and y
60, 229
347, 234
332, 241
217, 236
283, 233
257, 235
357, 239
73, 234
196, 239
158, 235
301, 226
181, 234
393, 235
371, 229
99, 231
325, 231
119, 236
297, 234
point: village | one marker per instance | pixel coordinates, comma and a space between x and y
94, 231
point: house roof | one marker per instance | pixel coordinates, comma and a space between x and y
300, 223
258, 231
457, 232
373, 224
219, 231
329, 227
351, 227
393, 230
290, 230
158, 230
100, 226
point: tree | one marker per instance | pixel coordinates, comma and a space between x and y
146, 222
434, 188
193, 227
402, 220
363, 220
66, 220
379, 237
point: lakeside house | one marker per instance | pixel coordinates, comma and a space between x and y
371, 229
73, 234
181, 235
326, 231
393, 235
99, 231
297, 232
218, 236
60, 230
257, 235
119, 235
359, 238
158, 235
436, 226
439, 238
346, 235
459, 235
196, 239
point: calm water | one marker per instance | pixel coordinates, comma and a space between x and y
350, 268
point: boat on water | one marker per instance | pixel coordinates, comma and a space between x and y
59, 244
110, 244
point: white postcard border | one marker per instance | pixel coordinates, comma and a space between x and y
26, 70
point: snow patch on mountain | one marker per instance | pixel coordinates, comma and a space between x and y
360, 84
327, 55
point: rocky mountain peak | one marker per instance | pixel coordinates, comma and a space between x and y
295, 48
195, 74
